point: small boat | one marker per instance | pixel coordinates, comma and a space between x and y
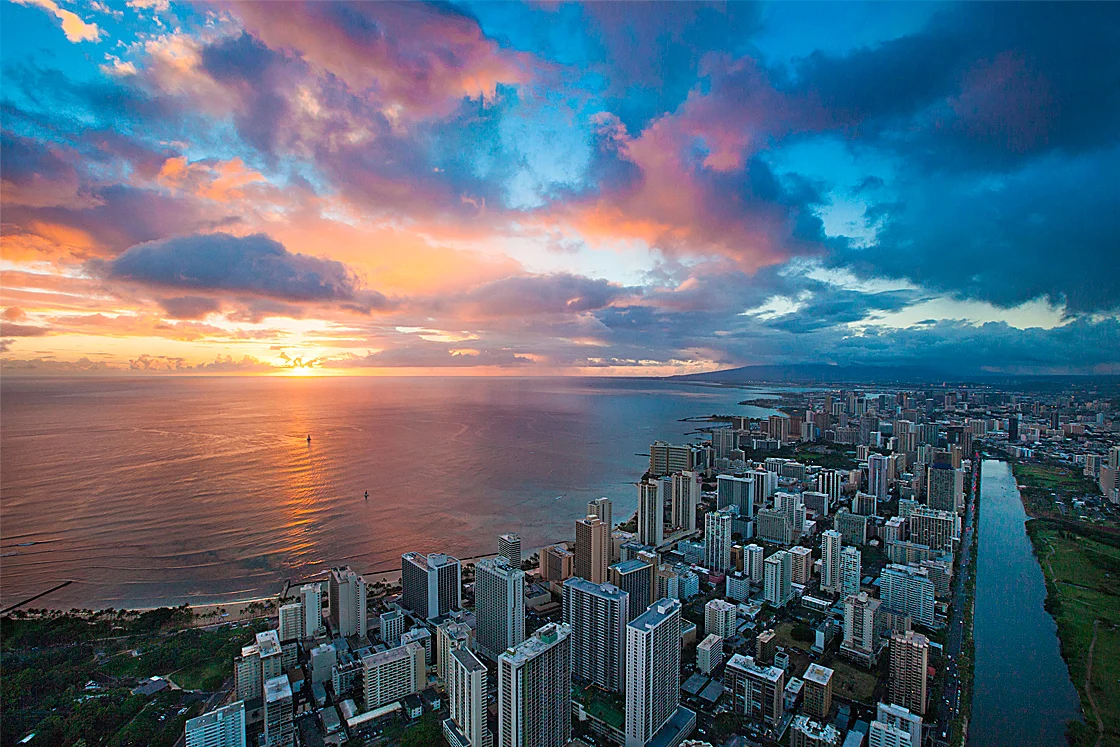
367, 495
308, 438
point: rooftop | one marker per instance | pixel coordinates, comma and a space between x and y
541, 641
818, 674
601, 590
657, 613
277, 688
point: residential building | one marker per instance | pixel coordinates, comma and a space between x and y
862, 621
945, 488
898, 717
466, 700
556, 563
431, 585
850, 569
596, 615
601, 509
348, 602
752, 563
686, 497
311, 602
817, 691
717, 539
777, 585
908, 685
451, 635
222, 727
852, 527
736, 491
534, 690
509, 547
804, 732
390, 675
653, 666
757, 692
392, 627
878, 476
802, 569
721, 618
593, 549
831, 544
653, 496
665, 459
290, 622
908, 590
939, 530
499, 604
279, 713
635, 578
709, 653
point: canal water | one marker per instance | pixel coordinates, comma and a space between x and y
1022, 692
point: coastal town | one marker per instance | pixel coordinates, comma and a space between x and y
805, 579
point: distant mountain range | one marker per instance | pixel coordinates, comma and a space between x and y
809, 373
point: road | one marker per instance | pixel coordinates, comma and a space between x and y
950, 704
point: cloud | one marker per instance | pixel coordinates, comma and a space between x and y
252, 265
433, 355
73, 26
189, 307
525, 295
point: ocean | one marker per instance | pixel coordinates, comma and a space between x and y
158, 491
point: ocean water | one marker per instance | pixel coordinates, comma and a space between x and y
149, 491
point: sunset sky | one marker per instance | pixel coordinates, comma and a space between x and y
558, 188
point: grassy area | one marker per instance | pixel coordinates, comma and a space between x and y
1042, 484
853, 683
48, 658
785, 635
1082, 569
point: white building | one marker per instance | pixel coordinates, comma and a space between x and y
653, 666
290, 622
534, 690
466, 696
717, 540
907, 589
279, 712
709, 653
391, 675
311, 600
223, 727
686, 497
752, 563
652, 497
777, 587
850, 569
898, 717
509, 547
720, 618
831, 544
499, 595
602, 509
392, 627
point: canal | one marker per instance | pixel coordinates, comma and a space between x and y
1022, 691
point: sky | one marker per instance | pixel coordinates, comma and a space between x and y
547, 188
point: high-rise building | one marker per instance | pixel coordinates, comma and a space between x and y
593, 549
665, 459
817, 691
709, 653
466, 701
311, 600
721, 618
422, 637
431, 585
757, 691
652, 498
717, 539
736, 491
601, 509
853, 527
865, 504
774, 526
597, 615
753, 563
556, 563
878, 476
1013, 429
348, 602
884, 735
279, 713
391, 675
945, 488
635, 578
724, 441
802, 564
222, 727
499, 597
535, 690
258, 663
939, 530
909, 664
686, 497
450, 635
861, 628
509, 547
850, 570
898, 717
830, 482
777, 586
653, 666
908, 590
805, 732
392, 627
290, 622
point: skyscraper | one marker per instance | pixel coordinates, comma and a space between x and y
861, 628
817, 691
653, 666
556, 563
390, 675
593, 549
348, 602
509, 547
466, 701
757, 691
636, 578
597, 615
686, 497
431, 585
878, 476
290, 622
311, 598
534, 690
753, 563
908, 590
222, 727
850, 570
802, 564
601, 509
736, 491
891, 716
392, 627
279, 713
777, 585
499, 595
945, 491
909, 664
651, 511
717, 539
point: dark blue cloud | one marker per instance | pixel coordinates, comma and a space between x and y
251, 265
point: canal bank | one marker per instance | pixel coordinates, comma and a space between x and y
1022, 693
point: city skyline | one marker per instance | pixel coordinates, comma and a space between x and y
569, 189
